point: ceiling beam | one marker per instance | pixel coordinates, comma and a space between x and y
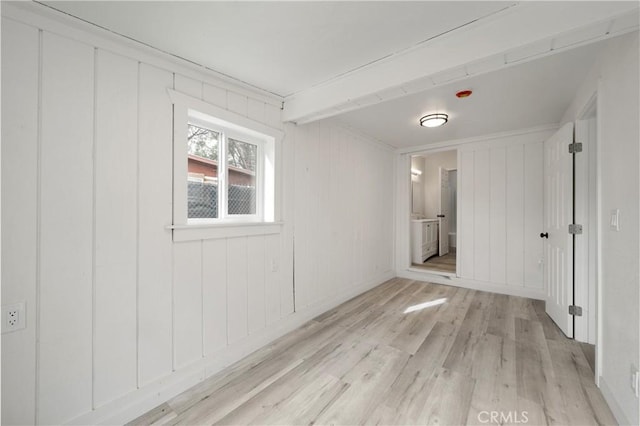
524, 30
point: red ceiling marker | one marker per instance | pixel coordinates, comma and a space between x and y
464, 93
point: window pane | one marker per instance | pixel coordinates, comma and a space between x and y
203, 172
241, 159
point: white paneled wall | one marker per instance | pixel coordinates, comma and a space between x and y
113, 305
120, 317
66, 248
344, 216
500, 212
20, 235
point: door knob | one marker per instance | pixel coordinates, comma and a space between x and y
544, 235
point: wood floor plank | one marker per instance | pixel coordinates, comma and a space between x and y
162, 414
409, 392
446, 263
449, 400
536, 380
494, 370
405, 353
551, 331
377, 370
573, 371
308, 404
234, 393
462, 355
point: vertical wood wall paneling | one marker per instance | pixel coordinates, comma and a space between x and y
533, 201
322, 196
285, 261
155, 163
20, 85
303, 215
358, 212
465, 218
387, 254
237, 291
337, 254
498, 231
65, 361
118, 310
342, 214
273, 277
115, 347
313, 217
187, 294
214, 295
344, 227
481, 209
515, 215
255, 283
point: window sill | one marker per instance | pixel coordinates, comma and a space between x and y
209, 231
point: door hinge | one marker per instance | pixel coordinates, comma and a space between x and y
575, 147
575, 229
574, 310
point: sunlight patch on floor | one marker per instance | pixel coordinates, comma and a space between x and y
425, 305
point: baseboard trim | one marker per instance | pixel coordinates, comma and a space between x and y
449, 279
138, 402
617, 411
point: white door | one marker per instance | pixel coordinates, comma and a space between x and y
558, 214
445, 214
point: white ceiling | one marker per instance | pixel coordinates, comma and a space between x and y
280, 47
522, 96
325, 57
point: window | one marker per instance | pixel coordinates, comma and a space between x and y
202, 167
223, 167
206, 192
226, 168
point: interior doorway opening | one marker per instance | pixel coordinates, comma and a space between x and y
434, 207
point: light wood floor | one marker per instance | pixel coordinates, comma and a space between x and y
456, 355
446, 263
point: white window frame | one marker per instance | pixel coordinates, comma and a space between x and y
187, 109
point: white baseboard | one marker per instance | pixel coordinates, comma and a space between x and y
613, 404
450, 279
138, 402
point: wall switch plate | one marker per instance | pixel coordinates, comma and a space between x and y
614, 221
13, 317
635, 380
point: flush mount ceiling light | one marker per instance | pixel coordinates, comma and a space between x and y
434, 120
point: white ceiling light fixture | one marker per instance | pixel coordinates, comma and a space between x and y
434, 120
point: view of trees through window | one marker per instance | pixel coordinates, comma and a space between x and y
239, 191
242, 155
204, 143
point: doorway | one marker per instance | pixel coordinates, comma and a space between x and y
433, 227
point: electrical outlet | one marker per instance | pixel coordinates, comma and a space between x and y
13, 317
274, 265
